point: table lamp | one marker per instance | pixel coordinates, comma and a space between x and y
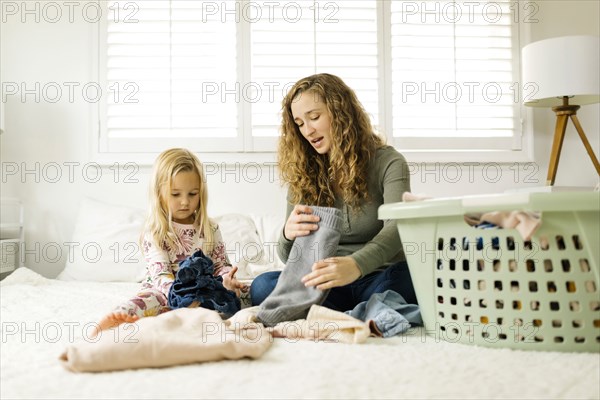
565, 72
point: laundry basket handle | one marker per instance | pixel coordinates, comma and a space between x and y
562, 201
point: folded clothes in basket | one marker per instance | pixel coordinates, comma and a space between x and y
525, 222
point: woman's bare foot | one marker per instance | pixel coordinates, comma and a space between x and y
113, 320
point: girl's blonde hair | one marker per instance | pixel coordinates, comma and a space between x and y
354, 142
158, 224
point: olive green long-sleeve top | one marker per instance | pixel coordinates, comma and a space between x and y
371, 242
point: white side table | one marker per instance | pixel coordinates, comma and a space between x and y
12, 235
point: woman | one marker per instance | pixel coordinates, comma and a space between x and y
329, 155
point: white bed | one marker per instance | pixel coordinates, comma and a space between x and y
40, 317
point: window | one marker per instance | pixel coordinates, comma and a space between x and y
210, 76
334, 37
454, 74
164, 63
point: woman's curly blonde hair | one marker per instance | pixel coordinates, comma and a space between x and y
354, 142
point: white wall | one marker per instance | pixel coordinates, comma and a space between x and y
52, 140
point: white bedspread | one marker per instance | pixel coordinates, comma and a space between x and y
40, 316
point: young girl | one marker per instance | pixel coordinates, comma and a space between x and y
176, 227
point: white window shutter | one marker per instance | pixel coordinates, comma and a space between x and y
454, 75
306, 37
174, 71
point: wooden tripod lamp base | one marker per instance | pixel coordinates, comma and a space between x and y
563, 113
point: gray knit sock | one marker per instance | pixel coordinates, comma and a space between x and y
291, 300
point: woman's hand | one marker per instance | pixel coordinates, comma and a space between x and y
301, 222
332, 272
231, 283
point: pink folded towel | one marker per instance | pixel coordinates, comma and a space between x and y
183, 336
526, 223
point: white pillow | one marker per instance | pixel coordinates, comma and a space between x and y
269, 229
106, 244
242, 243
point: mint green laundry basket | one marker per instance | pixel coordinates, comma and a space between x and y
492, 288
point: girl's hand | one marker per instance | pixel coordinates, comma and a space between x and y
231, 283
332, 272
301, 222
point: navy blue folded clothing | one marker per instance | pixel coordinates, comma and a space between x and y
195, 282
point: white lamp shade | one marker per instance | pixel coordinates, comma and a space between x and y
562, 66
